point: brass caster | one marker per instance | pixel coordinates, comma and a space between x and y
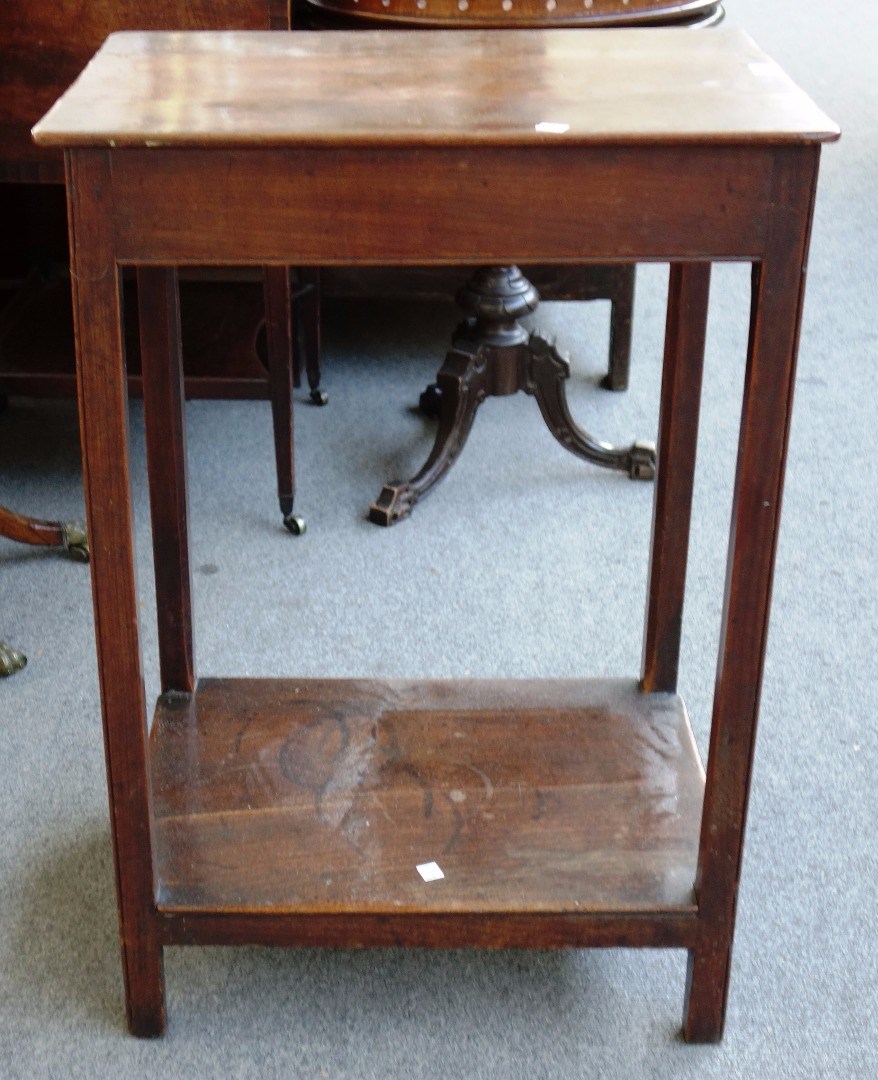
430, 400
11, 660
319, 397
75, 540
296, 525
642, 461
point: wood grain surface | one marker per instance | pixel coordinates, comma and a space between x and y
323, 796
776, 315
446, 87
685, 333
161, 352
435, 205
103, 425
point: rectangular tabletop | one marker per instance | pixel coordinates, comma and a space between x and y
373, 88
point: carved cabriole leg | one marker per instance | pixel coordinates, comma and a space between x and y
548, 371
279, 347
509, 360
778, 291
70, 535
688, 293
11, 660
461, 383
103, 418
164, 413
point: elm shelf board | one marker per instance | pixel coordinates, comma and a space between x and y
298, 811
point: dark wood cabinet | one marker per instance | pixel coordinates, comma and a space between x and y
43, 48
44, 45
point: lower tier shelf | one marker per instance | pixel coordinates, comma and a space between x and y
295, 798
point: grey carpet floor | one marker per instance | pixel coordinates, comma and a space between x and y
524, 562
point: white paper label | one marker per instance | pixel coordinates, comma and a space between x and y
430, 871
551, 127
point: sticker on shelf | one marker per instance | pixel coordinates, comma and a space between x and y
430, 871
551, 127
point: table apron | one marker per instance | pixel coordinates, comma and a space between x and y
434, 205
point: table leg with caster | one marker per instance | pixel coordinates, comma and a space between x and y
308, 320
279, 341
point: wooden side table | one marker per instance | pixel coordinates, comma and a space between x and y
561, 813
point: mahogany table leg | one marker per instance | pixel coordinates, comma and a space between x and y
164, 414
103, 418
309, 315
688, 292
621, 316
279, 341
778, 291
